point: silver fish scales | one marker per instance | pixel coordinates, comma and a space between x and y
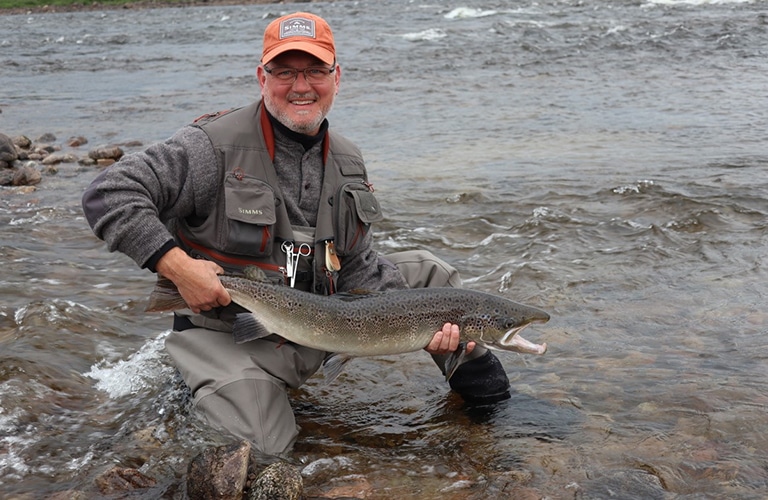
369, 323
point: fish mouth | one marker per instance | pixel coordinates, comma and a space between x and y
513, 341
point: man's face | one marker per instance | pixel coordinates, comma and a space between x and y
299, 105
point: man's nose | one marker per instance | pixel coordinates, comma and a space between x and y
301, 81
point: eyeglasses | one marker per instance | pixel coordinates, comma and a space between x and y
313, 75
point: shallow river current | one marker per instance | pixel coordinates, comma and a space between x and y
603, 160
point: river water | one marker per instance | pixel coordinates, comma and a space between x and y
603, 160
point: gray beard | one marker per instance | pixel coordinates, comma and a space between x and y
301, 128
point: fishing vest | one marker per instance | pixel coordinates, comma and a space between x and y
249, 223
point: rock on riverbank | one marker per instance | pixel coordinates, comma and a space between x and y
25, 162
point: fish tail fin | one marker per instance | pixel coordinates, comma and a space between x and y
454, 360
247, 327
333, 365
165, 297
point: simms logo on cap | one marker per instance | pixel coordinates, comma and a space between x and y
297, 26
299, 31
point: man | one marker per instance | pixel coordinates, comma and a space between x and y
269, 185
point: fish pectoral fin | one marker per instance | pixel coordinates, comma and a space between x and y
247, 327
455, 360
333, 365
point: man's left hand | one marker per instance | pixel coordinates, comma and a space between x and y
447, 340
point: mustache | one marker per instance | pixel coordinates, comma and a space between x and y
303, 95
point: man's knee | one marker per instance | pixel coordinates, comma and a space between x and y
421, 269
253, 409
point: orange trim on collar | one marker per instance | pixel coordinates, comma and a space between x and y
269, 134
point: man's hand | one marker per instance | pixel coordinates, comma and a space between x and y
447, 340
196, 279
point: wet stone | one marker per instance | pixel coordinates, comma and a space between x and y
219, 472
47, 137
640, 483
75, 142
45, 149
22, 141
26, 175
8, 153
55, 158
106, 153
6, 177
120, 480
42, 155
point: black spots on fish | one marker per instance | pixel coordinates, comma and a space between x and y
292, 304
361, 304
476, 321
383, 308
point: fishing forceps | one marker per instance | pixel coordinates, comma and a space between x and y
292, 256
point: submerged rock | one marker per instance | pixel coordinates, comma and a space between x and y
219, 472
120, 480
77, 141
228, 473
46, 137
26, 175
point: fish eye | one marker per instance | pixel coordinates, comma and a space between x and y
510, 323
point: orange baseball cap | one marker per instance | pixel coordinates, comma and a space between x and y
299, 31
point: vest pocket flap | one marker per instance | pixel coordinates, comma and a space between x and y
249, 201
367, 205
354, 210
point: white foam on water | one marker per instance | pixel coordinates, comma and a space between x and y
140, 371
469, 13
12, 464
326, 464
427, 35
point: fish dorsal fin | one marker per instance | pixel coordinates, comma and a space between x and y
247, 327
356, 294
255, 273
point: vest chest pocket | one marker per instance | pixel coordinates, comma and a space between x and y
355, 209
250, 216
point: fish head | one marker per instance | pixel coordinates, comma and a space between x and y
501, 329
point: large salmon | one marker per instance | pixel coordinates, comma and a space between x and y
368, 323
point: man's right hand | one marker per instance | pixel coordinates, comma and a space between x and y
196, 279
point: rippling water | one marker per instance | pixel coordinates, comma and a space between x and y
604, 160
